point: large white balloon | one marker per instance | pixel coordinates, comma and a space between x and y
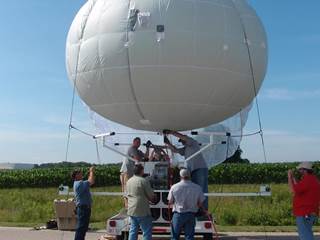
158, 64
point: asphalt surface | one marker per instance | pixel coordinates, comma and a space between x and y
11, 233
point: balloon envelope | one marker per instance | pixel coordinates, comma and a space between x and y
171, 64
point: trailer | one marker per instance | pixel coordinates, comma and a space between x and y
159, 175
162, 175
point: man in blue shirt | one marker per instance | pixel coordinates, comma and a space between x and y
83, 200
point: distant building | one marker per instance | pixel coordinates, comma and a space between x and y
16, 166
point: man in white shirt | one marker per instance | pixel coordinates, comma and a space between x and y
196, 165
186, 198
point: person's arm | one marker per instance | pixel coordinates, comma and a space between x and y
152, 155
180, 136
290, 181
201, 199
91, 176
165, 155
170, 198
176, 134
172, 148
295, 186
152, 198
146, 155
149, 191
200, 204
136, 158
148, 145
134, 153
170, 145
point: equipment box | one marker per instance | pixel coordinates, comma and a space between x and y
65, 214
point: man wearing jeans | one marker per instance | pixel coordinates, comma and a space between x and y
186, 197
83, 201
139, 193
306, 199
196, 165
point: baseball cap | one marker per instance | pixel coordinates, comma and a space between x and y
305, 165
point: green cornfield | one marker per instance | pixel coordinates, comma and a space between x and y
35, 206
109, 175
26, 196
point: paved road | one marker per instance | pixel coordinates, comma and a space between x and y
261, 236
9, 233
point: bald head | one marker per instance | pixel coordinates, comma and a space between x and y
184, 174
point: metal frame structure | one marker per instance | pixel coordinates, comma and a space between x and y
118, 225
211, 194
211, 143
261, 193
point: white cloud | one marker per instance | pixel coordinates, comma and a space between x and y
282, 146
276, 133
284, 94
56, 119
277, 94
295, 77
42, 147
20, 136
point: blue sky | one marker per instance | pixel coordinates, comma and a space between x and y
35, 93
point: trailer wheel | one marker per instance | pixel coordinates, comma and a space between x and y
207, 236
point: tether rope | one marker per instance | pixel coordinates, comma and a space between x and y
70, 121
255, 93
70, 126
253, 80
97, 151
75, 80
